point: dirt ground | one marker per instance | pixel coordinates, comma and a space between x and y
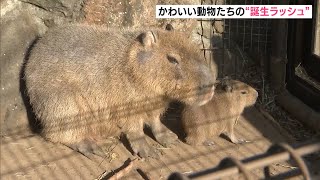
30, 157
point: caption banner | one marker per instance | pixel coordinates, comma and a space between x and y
235, 11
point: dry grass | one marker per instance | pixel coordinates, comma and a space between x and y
254, 75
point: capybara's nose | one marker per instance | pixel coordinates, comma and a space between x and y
257, 94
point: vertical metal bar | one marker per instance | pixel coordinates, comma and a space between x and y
236, 61
279, 53
259, 31
210, 39
251, 33
201, 36
267, 32
223, 47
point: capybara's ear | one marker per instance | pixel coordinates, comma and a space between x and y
228, 88
148, 38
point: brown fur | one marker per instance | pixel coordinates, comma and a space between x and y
220, 114
87, 82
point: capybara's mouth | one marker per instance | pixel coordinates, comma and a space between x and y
201, 96
205, 95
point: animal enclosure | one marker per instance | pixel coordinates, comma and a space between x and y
259, 52
244, 48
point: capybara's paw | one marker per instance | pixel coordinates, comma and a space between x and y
194, 141
88, 148
239, 141
208, 143
143, 149
236, 140
167, 138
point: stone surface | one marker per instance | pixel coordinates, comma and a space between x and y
68, 8
134, 13
17, 33
21, 22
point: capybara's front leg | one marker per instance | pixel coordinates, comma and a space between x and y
195, 139
230, 132
138, 142
162, 134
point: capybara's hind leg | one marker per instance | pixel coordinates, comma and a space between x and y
87, 148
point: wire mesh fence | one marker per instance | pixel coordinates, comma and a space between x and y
235, 43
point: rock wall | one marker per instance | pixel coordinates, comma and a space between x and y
133, 13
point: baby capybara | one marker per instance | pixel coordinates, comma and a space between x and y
220, 114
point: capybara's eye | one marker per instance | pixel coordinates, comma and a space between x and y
172, 60
169, 27
244, 92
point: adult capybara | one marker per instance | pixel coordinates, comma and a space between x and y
87, 83
220, 114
